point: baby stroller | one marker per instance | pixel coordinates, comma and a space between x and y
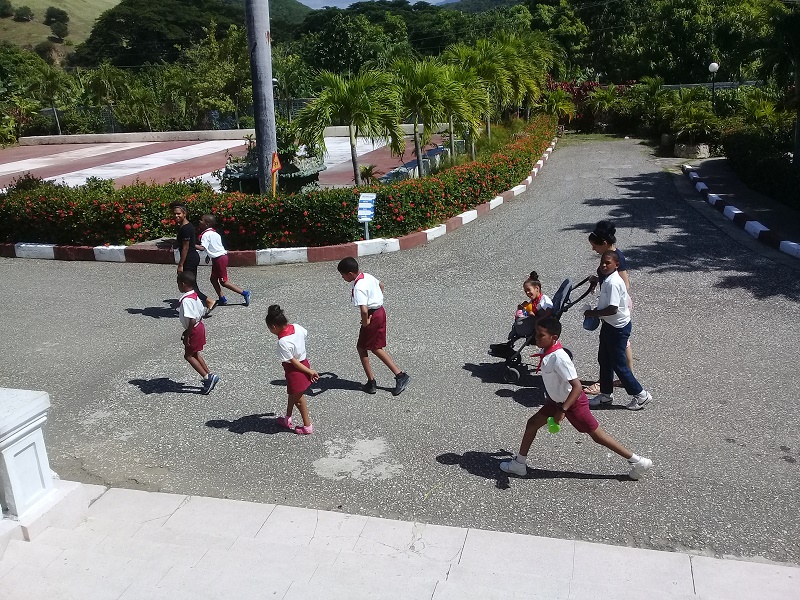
513, 356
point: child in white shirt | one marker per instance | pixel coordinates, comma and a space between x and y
191, 311
211, 242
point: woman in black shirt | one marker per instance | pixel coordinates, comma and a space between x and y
187, 244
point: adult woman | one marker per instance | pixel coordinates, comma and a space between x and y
186, 243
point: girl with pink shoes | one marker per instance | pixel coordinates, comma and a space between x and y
299, 374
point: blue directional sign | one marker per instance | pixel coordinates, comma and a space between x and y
366, 207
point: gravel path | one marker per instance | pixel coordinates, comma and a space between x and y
715, 329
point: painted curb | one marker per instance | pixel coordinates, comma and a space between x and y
740, 218
278, 256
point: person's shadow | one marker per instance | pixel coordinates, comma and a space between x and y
158, 312
259, 423
327, 381
487, 465
492, 372
164, 385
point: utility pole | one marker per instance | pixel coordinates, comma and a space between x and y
259, 43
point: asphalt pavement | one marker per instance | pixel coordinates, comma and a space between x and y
716, 323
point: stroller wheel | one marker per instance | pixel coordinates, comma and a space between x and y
511, 375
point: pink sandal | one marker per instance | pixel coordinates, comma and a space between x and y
304, 430
285, 422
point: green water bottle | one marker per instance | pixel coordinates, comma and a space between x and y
552, 426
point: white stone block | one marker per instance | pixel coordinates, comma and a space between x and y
377, 246
491, 549
754, 228
109, 253
9, 530
713, 198
529, 179
700, 186
25, 476
281, 256
730, 212
549, 150
406, 539
534, 171
528, 584
688, 168
791, 248
45, 251
540, 163
220, 517
435, 232
468, 216
739, 580
518, 189
495, 202
135, 506
545, 156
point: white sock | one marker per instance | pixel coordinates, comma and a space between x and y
642, 395
521, 459
634, 459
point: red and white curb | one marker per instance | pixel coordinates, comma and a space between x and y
275, 256
755, 228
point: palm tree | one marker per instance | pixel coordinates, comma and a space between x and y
366, 102
487, 62
558, 103
107, 84
465, 107
601, 101
48, 86
421, 87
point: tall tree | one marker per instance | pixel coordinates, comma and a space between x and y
49, 87
365, 102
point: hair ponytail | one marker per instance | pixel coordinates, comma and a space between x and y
276, 317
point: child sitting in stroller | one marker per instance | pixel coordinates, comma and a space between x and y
537, 306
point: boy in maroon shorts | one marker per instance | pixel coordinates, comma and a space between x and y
367, 294
565, 398
211, 242
191, 311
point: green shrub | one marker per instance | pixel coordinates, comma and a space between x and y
95, 214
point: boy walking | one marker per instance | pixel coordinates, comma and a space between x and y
565, 398
367, 294
613, 307
191, 311
211, 242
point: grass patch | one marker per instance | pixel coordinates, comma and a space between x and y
82, 15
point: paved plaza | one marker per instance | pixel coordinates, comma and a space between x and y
716, 323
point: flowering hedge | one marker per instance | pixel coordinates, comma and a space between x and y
95, 215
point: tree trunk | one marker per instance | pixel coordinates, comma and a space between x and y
489, 125
354, 155
55, 114
472, 154
452, 131
289, 110
417, 149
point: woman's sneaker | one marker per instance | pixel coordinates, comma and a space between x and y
515, 467
639, 401
601, 399
640, 467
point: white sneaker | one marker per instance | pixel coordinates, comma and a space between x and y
515, 467
638, 402
596, 401
640, 467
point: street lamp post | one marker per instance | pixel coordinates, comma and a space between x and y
713, 68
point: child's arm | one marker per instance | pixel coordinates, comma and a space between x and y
365, 316
187, 333
301, 367
574, 394
184, 254
383, 289
603, 312
625, 278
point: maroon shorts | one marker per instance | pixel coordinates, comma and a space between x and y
219, 268
373, 336
579, 414
297, 382
197, 340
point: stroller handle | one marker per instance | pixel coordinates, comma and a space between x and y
569, 304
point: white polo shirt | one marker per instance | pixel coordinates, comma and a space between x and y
613, 293
212, 242
557, 371
292, 343
190, 307
367, 291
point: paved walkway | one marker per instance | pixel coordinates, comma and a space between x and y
146, 546
715, 334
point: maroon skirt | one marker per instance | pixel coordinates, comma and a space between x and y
297, 382
373, 336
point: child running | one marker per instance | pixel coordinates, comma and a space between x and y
191, 311
211, 242
565, 398
367, 294
614, 309
299, 374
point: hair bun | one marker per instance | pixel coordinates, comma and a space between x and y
606, 227
274, 309
534, 275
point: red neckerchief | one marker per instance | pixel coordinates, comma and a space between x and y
190, 295
288, 330
202, 233
359, 277
535, 304
556, 346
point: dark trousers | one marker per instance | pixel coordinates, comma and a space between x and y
191, 266
611, 356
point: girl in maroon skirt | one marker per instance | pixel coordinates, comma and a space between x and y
299, 374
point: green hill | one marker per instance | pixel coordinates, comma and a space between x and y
82, 14
474, 6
